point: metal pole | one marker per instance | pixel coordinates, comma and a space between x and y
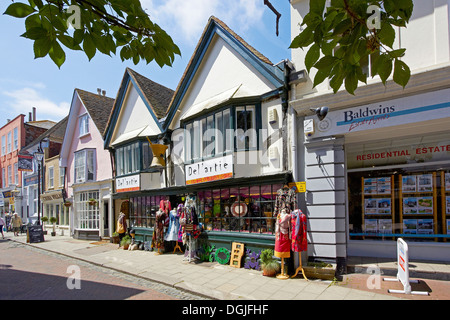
39, 194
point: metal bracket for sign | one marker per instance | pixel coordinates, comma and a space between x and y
403, 271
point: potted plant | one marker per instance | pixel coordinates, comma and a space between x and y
114, 238
44, 219
53, 221
93, 201
269, 264
125, 242
67, 204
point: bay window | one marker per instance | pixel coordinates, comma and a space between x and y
85, 165
133, 158
214, 134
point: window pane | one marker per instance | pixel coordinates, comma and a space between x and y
196, 140
90, 165
218, 135
228, 131
188, 141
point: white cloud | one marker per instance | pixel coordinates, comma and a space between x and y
185, 20
23, 100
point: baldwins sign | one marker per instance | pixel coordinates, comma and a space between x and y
209, 170
412, 109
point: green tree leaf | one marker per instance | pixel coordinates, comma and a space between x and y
19, 10
57, 54
42, 47
402, 73
312, 56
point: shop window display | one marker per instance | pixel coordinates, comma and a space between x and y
404, 202
239, 209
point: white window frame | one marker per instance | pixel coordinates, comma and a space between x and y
9, 175
62, 176
88, 216
83, 125
84, 165
3, 145
3, 177
51, 177
16, 173
16, 138
9, 142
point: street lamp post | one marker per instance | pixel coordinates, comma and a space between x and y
39, 155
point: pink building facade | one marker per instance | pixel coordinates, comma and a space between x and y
88, 169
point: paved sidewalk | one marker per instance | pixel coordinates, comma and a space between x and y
216, 281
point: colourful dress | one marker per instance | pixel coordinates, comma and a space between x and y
283, 235
285, 203
298, 225
158, 231
174, 226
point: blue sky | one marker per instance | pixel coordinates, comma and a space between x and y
26, 82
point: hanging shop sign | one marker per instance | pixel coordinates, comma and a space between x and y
412, 109
127, 184
209, 170
25, 163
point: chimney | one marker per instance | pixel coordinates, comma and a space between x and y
99, 91
34, 113
103, 92
29, 117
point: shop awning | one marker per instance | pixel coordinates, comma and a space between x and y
212, 102
128, 136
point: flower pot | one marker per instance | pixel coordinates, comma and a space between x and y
269, 273
323, 273
53, 234
125, 246
114, 240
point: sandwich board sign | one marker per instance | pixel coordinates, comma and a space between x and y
403, 270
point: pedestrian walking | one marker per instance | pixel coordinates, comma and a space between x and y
121, 226
16, 223
2, 223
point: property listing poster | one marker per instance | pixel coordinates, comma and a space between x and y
418, 205
378, 226
447, 204
447, 182
377, 185
418, 226
417, 183
377, 206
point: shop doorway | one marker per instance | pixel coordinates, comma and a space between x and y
106, 219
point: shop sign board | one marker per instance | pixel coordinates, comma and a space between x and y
412, 109
299, 187
128, 183
403, 270
209, 170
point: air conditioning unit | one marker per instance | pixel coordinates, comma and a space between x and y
273, 153
273, 116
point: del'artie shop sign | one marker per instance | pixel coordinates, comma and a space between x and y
209, 170
129, 183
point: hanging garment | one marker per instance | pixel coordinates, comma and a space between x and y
285, 200
165, 206
158, 231
174, 226
182, 222
283, 235
299, 241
